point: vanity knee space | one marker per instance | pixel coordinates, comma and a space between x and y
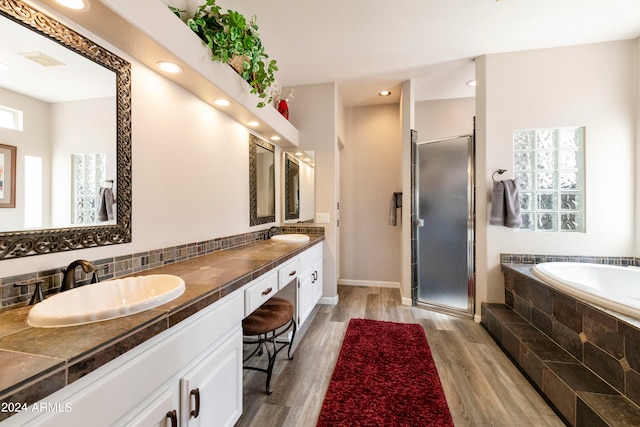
299, 280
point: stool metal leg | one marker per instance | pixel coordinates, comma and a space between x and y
264, 340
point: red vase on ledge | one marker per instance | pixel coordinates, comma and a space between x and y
283, 108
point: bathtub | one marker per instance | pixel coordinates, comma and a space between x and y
613, 287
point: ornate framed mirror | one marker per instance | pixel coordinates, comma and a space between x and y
262, 186
291, 187
79, 64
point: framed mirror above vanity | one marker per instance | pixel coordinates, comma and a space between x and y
291, 187
298, 186
69, 104
262, 185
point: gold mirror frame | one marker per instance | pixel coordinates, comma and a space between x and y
26, 243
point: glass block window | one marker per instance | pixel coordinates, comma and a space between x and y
88, 171
548, 167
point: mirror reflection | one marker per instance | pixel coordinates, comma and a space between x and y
60, 114
65, 111
262, 181
291, 187
299, 186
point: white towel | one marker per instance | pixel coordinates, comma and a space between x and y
105, 204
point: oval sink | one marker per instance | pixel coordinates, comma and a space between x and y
290, 238
105, 300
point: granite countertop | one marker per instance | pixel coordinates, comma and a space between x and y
36, 362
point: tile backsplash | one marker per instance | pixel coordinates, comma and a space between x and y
18, 289
537, 259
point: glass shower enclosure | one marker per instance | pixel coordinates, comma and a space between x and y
444, 200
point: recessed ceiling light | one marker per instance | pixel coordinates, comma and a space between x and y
253, 124
384, 93
74, 4
222, 102
169, 67
275, 138
471, 82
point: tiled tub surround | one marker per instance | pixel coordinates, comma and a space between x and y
124, 265
584, 359
37, 362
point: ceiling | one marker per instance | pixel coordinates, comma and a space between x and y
369, 45
75, 77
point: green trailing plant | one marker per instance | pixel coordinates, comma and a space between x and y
230, 36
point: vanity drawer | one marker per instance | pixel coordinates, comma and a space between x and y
263, 289
287, 272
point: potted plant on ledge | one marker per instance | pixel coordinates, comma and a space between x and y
234, 40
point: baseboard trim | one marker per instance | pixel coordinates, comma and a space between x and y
407, 301
329, 300
369, 283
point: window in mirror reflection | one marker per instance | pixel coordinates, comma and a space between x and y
10, 118
88, 175
32, 191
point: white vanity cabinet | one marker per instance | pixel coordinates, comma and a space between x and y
211, 392
309, 282
144, 385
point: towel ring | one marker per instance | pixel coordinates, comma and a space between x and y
499, 172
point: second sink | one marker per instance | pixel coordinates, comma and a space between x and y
290, 238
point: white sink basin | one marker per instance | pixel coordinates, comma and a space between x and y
105, 300
290, 238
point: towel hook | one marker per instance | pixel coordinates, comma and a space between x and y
499, 172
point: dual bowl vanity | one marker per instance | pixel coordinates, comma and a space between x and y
180, 361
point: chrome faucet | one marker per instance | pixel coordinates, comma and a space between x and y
69, 278
272, 232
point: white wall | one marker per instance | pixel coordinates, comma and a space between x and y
371, 165
33, 140
444, 118
79, 127
589, 85
313, 112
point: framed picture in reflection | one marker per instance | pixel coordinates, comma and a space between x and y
7, 176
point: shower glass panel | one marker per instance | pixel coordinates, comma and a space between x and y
445, 232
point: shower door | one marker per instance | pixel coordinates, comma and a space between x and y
444, 193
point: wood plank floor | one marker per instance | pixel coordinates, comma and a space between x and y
482, 386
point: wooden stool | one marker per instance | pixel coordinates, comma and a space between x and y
263, 324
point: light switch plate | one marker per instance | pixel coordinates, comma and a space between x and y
323, 218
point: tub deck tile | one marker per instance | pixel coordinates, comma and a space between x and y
593, 409
579, 396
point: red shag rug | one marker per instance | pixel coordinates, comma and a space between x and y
384, 376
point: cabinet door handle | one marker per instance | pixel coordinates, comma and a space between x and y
173, 417
293, 273
267, 291
195, 412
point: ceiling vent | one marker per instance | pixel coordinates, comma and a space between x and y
42, 59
